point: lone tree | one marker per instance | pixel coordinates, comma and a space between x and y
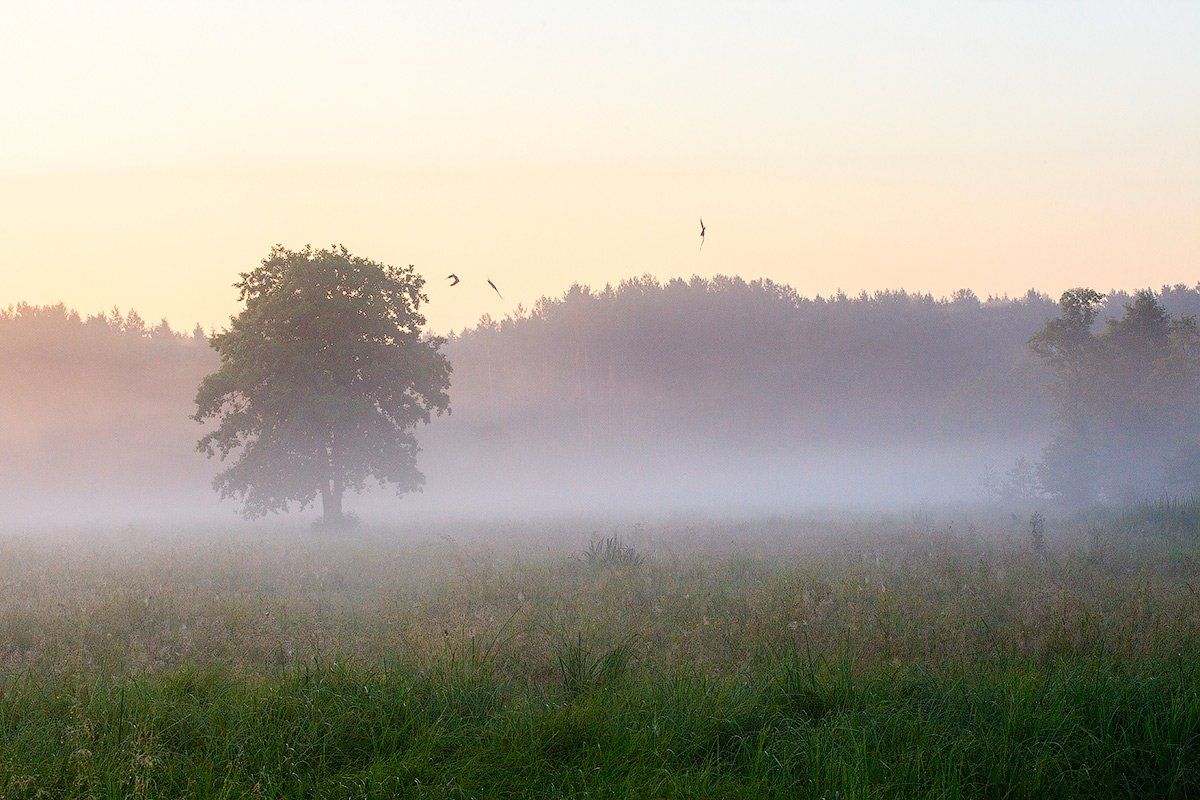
324, 375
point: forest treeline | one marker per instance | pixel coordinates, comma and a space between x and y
720, 381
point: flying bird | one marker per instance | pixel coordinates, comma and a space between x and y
495, 289
453, 279
702, 230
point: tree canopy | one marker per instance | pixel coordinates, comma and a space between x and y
323, 377
1128, 398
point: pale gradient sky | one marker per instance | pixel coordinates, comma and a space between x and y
151, 151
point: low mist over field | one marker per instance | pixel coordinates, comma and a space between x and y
716, 396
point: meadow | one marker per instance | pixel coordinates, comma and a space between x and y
946, 653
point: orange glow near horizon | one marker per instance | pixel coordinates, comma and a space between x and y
151, 154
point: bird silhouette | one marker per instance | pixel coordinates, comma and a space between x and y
489, 280
702, 230
453, 278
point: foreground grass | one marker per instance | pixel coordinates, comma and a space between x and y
787, 729
890, 660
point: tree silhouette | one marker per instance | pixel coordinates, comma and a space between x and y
1068, 346
1128, 399
323, 377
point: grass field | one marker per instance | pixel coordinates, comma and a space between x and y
906, 656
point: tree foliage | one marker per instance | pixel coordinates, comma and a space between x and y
323, 377
1128, 397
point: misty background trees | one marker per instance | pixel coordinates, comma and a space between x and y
1127, 422
722, 391
324, 375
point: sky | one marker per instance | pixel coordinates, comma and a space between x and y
149, 152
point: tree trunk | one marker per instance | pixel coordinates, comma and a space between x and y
331, 504
331, 491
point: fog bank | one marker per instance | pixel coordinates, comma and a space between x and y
719, 396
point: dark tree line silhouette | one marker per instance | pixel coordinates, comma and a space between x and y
651, 373
90, 405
